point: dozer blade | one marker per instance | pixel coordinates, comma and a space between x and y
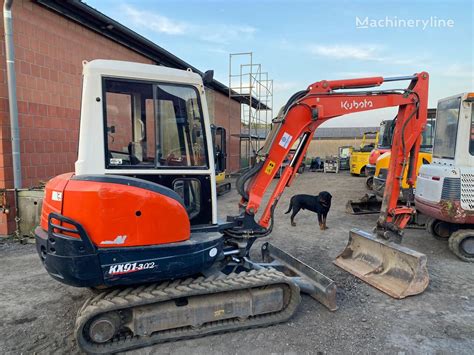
392, 268
366, 205
310, 281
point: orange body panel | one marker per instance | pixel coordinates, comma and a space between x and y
117, 215
375, 153
53, 197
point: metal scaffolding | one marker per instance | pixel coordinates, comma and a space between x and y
252, 87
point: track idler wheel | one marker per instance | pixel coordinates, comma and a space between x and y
104, 327
461, 243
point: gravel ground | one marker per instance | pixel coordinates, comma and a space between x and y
37, 313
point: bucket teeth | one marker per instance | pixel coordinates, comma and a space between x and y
389, 267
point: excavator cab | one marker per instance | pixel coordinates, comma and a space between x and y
424, 157
152, 129
137, 221
445, 188
384, 143
359, 157
144, 178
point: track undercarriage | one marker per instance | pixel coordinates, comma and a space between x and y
251, 295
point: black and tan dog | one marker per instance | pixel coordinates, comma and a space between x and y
319, 204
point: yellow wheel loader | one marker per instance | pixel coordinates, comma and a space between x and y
360, 156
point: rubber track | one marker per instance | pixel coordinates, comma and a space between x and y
121, 299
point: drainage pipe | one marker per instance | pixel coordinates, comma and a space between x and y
11, 82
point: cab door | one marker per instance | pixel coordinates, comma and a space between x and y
156, 132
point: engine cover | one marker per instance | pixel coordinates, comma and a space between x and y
118, 210
109, 230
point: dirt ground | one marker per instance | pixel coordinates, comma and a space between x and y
37, 313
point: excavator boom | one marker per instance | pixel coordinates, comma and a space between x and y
296, 124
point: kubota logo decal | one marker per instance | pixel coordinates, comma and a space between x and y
120, 269
355, 105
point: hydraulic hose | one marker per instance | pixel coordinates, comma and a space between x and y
295, 97
242, 180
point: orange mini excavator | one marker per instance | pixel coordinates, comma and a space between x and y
137, 221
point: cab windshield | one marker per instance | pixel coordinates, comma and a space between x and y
385, 134
447, 119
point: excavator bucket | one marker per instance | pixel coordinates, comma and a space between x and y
369, 204
309, 280
392, 268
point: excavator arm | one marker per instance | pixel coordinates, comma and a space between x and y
374, 258
322, 101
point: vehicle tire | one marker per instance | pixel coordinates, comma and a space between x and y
369, 183
438, 229
461, 243
362, 172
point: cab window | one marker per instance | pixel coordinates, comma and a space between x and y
190, 192
447, 118
150, 125
427, 135
180, 130
129, 124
